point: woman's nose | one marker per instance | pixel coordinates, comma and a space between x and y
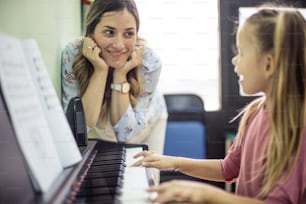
118, 43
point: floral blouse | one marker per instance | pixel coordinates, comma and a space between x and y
136, 119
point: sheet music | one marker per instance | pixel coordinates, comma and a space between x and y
65, 144
24, 107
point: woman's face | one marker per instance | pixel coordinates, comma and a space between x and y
116, 35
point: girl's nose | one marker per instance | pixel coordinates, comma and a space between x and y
234, 60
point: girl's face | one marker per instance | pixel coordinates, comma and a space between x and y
249, 63
116, 35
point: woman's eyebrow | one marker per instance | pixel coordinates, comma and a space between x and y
109, 27
112, 28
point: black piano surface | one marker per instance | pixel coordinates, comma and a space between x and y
96, 179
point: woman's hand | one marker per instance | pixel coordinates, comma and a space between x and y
134, 61
93, 53
152, 160
181, 190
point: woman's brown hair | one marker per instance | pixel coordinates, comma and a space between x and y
83, 69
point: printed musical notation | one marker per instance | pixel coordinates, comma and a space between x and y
39, 122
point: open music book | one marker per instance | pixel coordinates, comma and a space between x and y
40, 124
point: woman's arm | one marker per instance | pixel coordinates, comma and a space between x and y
93, 97
120, 101
148, 108
70, 86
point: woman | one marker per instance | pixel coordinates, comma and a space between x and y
116, 74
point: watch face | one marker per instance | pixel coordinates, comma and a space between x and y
125, 88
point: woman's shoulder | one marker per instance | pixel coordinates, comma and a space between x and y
73, 46
151, 60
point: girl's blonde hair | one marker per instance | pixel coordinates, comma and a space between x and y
282, 32
83, 69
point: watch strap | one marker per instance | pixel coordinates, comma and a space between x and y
116, 87
123, 87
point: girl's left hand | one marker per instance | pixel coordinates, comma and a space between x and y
180, 190
152, 160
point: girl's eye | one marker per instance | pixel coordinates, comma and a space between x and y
129, 34
108, 33
234, 50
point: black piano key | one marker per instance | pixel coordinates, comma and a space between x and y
109, 157
90, 192
111, 149
112, 160
104, 175
105, 148
107, 168
101, 163
105, 199
101, 182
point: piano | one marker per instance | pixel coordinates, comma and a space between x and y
103, 176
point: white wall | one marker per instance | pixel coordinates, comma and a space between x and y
51, 22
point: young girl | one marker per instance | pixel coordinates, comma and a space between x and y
116, 74
268, 157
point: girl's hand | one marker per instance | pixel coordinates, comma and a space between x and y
153, 160
93, 53
180, 190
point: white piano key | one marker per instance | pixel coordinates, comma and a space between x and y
130, 152
134, 186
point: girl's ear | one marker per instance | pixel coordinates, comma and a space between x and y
269, 66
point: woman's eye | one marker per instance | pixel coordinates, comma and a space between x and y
129, 34
108, 33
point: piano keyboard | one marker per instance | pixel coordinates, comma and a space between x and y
107, 177
102, 176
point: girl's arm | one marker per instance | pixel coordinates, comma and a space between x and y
208, 169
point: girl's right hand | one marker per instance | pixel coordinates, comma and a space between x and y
152, 160
93, 53
184, 191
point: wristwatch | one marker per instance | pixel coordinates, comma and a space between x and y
123, 87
